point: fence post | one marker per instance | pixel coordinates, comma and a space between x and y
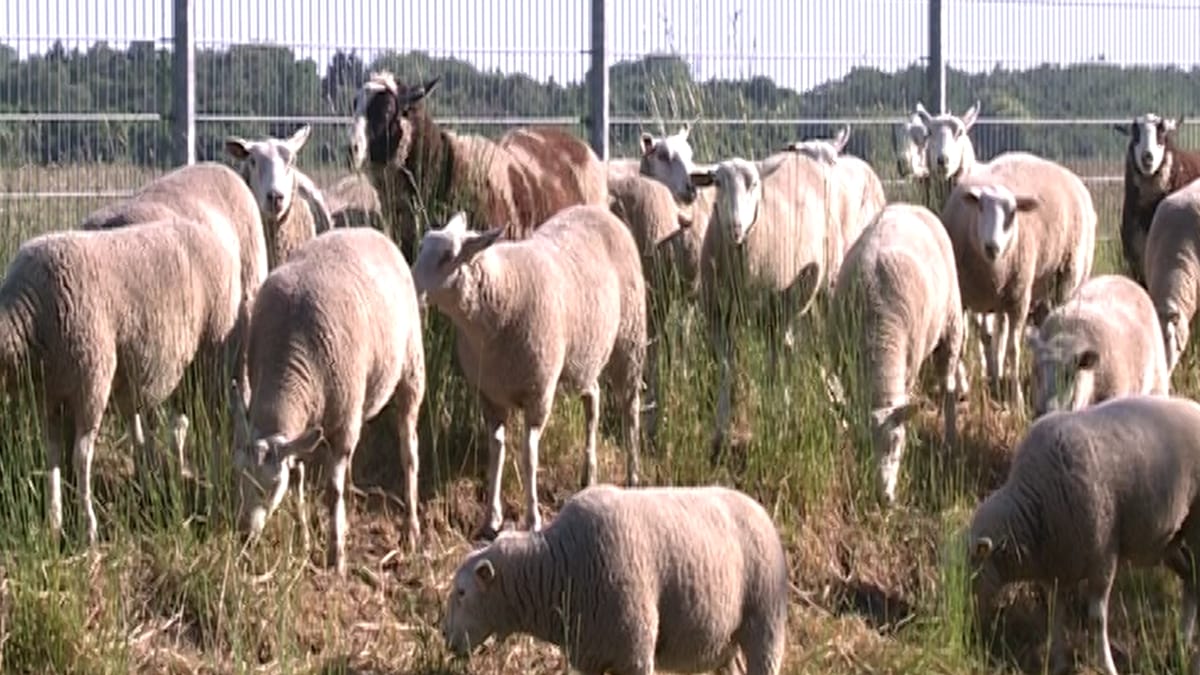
935, 85
598, 82
183, 88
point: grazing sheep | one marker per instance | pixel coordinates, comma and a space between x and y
896, 304
293, 208
522, 179
1024, 231
1154, 168
861, 195
560, 309
764, 256
1104, 342
335, 337
1172, 264
212, 194
353, 202
1117, 481
113, 314
630, 581
670, 251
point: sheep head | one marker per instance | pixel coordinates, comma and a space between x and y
996, 219
263, 464
1064, 370
268, 166
947, 140
910, 151
668, 160
477, 607
382, 126
739, 192
887, 434
439, 272
1148, 135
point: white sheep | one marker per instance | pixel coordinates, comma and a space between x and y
668, 159
1172, 264
335, 337
895, 305
1104, 342
1024, 231
560, 309
1114, 482
114, 314
293, 208
910, 151
212, 194
634, 581
764, 256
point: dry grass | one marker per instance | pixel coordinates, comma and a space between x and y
170, 589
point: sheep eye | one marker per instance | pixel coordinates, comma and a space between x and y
462, 592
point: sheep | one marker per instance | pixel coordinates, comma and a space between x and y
910, 148
1117, 481
335, 337
630, 581
862, 194
560, 309
1154, 168
293, 208
670, 252
1172, 264
522, 179
895, 305
353, 202
1103, 343
1024, 231
763, 257
114, 314
215, 195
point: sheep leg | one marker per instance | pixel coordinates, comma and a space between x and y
1058, 617
335, 501
1014, 336
535, 421
494, 418
995, 345
633, 463
945, 356
300, 504
410, 464
591, 421
179, 431
52, 431
1098, 593
725, 401
85, 445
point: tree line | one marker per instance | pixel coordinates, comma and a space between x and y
268, 80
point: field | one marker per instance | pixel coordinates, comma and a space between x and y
171, 590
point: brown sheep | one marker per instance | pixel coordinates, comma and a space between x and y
424, 173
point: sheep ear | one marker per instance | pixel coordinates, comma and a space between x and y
842, 137
923, 114
485, 573
1087, 359
647, 143
1122, 129
893, 416
983, 548
417, 94
238, 148
970, 116
298, 139
684, 220
477, 244
1028, 202
684, 131
457, 224
703, 177
303, 444
770, 165
972, 193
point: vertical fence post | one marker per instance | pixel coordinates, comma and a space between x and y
183, 87
935, 84
598, 82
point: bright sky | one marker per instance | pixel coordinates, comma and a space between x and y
798, 43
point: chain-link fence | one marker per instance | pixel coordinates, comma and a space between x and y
93, 100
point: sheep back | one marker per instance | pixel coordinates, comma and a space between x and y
680, 576
1172, 255
353, 202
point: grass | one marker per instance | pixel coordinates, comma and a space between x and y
170, 589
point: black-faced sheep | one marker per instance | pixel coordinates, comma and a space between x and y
335, 337
639, 581
562, 308
1154, 168
418, 168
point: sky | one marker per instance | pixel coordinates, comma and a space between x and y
798, 43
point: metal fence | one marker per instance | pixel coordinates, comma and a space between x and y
114, 91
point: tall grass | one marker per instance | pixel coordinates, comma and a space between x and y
171, 588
